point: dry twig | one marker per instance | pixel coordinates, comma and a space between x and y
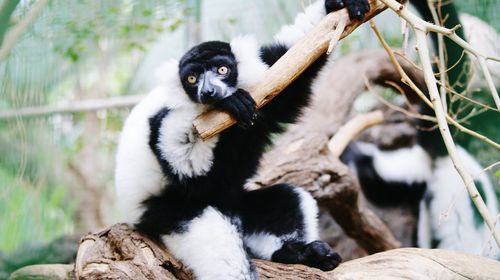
420, 28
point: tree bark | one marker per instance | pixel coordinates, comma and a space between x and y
121, 253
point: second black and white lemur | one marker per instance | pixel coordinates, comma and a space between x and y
188, 193
423, 174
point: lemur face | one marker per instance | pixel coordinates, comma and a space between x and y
208, 72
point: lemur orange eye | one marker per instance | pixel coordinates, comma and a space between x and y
223, 70
191, 79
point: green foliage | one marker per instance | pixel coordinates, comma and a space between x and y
62, 56
31, 213
60, 250
486, 10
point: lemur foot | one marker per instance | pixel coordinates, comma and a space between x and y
241, 106
356, 8
315, 254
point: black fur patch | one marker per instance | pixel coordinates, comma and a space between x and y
376, 189
275, 210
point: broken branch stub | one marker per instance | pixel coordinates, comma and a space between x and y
288, 67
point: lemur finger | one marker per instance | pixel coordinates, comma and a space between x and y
334, 5
248, 98
245, 111
357, 8
228, 105
252, 106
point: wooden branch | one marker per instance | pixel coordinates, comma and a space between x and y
74, 107
121, 253
351, 129
287, 68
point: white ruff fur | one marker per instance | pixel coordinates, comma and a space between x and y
138, 174
211, 247
251, 68
450, 212
304, 22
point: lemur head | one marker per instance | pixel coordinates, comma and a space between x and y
208, 72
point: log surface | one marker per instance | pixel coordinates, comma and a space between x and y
121, 253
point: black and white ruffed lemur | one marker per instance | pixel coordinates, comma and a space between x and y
424, 175
188, 193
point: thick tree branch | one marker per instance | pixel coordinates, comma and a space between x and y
288, 67
351, 129
74, 107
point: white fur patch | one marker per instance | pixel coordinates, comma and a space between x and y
407, 165
263, 244
304, 22
188, 154
424, 234
450, 212
309, 209
211, 247
138, 174
251, 68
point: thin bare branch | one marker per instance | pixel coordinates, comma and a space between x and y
406, 79
395, 107
441, 56
430, 80
419, 24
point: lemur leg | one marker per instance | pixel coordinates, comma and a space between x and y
280, 224
211, 246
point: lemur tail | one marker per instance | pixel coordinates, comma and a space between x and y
457, 72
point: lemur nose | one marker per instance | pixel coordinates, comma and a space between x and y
209, 93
